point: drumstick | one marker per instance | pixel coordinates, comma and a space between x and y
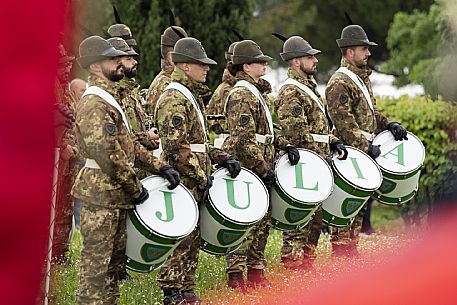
166, 183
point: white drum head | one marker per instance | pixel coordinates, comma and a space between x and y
242, 200
170, 213
359, 170
310, 181
399, 157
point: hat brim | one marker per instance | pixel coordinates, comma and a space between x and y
291, 55
131, 42
182, 58
345, 42
85, 61
242, 59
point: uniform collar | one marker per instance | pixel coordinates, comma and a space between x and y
363, 73
307, 80
199, 88
94, 80
167, 69
228, 78
126, 85
263, 85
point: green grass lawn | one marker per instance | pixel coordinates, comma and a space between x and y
143, 288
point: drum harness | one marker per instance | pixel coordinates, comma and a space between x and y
361, 85
108, 98
266, 139
321, 138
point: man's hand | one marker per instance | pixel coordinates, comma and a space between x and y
340, 149
141, 196
233, 166
398, 131
293, 154
169, 173
269, 178
374, 151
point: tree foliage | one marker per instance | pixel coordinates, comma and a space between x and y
209, 21
321, 22
422, 51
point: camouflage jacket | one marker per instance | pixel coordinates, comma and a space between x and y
349, 110
103, 137
300, 116
156, 89
217, 102
245, 117
129, 99
179, 126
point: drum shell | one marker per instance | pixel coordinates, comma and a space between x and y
218, 234
288, 214
141, 242
347, 199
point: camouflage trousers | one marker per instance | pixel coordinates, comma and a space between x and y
179, 269
103, 254
349, 235
63, 218
251, 252
301, 244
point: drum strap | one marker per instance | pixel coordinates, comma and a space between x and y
264, 139
321, 138
200, 148
359, 83
307, 90
94, 90
190, 97
367, 135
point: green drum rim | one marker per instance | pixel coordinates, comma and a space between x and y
349, 189
216, 250
224, 221
153, 236
136, 266
279, 225
335, 221
393, 200
391, 175
292, 202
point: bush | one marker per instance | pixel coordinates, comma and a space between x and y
435, 123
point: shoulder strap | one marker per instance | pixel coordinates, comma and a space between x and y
189, 96
307, 90
94, 90
256, 92
359, 83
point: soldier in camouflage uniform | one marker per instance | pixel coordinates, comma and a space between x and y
355, 119
122, 31
107, 185
66, 142
129, 100
302, 117
252, 141
182, 128
167, 42
215, 107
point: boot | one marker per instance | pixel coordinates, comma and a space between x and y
236, 281
190, 297
172, 296
256, 279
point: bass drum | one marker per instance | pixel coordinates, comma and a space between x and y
356, 178
233, 207
155, 227
299, 190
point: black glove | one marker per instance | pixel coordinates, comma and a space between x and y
269, 178
398, 131
339, 147
374, 151
293, 154
233, 166
208, 185
142, 197
169, 173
